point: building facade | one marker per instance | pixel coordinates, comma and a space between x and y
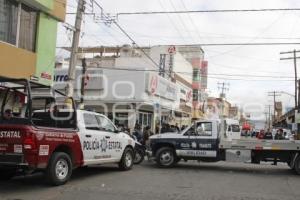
133, 89
195, 56
218, 108
28, 32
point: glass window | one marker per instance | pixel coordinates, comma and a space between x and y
196, 74
149, 119
195, 95
106, 124
140, 118
189, 131
204, 128
144, 119
27, 28
8, 21
90, 122
12, 22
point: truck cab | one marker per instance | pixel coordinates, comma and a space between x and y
232, 129
199, 141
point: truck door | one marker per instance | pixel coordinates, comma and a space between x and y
89, 138
186, 143
94, 151
113, 140
206, 139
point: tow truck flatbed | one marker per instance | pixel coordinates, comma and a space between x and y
258, 144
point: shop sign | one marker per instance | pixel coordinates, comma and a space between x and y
93, 78
46, 75
159, 86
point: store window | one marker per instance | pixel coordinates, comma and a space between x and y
196, 74
18, 24
145, 119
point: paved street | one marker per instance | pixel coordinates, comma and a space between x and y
190, 180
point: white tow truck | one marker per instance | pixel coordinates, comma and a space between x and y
210, 140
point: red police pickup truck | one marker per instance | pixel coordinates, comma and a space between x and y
41, 131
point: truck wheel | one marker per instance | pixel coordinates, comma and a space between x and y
165, 157
297, 165
7, 174
138, 157
59, 169
126, 162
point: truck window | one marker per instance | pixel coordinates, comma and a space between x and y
90, 122
235, 128
204, 128
50, 112
106, 124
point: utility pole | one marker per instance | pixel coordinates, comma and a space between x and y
274, 94
294, 52
74, 49
83, 82
298, 106
223, 87
268, 116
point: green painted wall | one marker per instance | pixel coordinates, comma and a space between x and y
45, 47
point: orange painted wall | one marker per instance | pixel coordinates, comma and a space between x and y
15, 62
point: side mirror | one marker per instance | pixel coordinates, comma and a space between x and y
117, 131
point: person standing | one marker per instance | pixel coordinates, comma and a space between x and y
138, 133
279, 135
147, 133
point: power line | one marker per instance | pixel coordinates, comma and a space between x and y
173, 24
125, 33
208, 11
190, 73
243, 44
180, 19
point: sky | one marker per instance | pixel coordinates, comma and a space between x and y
225, 63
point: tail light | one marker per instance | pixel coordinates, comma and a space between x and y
29, 141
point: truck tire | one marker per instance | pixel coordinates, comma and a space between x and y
59, 169
138, 157
166, 157
6, 174
126, 162
297, 165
